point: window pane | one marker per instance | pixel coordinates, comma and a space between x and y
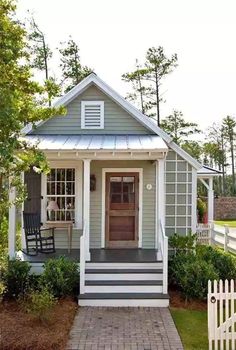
51, 175
60, 174
115, 187
128, 197
61, 188
70, 188
70, 174
116, 198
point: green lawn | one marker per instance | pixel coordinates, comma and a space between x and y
231, 223
192, 328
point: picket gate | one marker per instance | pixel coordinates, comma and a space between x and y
221, 315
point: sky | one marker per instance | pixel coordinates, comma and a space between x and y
112, 34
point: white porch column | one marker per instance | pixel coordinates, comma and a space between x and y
210, 200
12, 225
86, 205
160, 196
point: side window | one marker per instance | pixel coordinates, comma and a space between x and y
60, 194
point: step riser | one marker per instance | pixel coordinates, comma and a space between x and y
125, 302
123, 277
108, 266
123, 289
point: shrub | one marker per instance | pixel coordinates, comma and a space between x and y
62, 276
2, 290
3, 237
40, 303
193, 278
176, 266
180, 243
15, 276
224, 263
201, 209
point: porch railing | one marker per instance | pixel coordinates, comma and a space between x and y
83, 259
163, 244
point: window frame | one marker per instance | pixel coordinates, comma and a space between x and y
92, 103
78, 190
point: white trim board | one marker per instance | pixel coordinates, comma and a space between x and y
140, 117
140, 217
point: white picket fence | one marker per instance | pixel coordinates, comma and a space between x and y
222, 236
221, 315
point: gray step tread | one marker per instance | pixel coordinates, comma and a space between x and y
123, 283
113, 296
104, 271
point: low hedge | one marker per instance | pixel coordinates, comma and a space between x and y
193, 265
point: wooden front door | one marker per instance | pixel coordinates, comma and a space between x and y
122, 210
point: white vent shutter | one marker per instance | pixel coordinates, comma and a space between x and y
92, 115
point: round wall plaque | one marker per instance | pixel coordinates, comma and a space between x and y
149, 187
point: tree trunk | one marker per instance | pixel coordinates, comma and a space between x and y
232, 163
157, 98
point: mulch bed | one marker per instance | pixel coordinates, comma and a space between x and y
176, 300
19, 331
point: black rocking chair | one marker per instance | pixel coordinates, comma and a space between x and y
36, 239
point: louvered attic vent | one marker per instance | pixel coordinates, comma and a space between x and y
92, 114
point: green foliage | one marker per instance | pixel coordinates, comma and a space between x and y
193, 148
193, 278
201, 209
39, 304
19, 105
191, 274
179, 242
72, 70
62, 276
178, 128
2, 290
15, 276
146, 80
189, 269
3, 237
224, 263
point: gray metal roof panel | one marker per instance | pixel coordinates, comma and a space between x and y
98, 142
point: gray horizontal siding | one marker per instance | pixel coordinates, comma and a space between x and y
61, 238
117, 120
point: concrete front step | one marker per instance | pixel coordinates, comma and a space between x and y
123, 286
123, 265
123, 274
124, 299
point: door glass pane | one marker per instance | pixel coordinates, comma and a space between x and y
128, 197
115, 186
116, 198
128, 184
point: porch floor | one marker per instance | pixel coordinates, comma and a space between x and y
99, 255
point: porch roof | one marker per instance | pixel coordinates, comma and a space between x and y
98, 142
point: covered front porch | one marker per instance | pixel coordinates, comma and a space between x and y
113, 198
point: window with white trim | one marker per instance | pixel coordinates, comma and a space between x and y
61, 194
92, 114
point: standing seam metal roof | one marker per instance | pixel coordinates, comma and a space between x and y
98, 142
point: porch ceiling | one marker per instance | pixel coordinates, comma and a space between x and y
113, 143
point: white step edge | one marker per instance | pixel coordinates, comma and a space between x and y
123, 276
125, 302
123, 289
156, 265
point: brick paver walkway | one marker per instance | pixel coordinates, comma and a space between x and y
109, 328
